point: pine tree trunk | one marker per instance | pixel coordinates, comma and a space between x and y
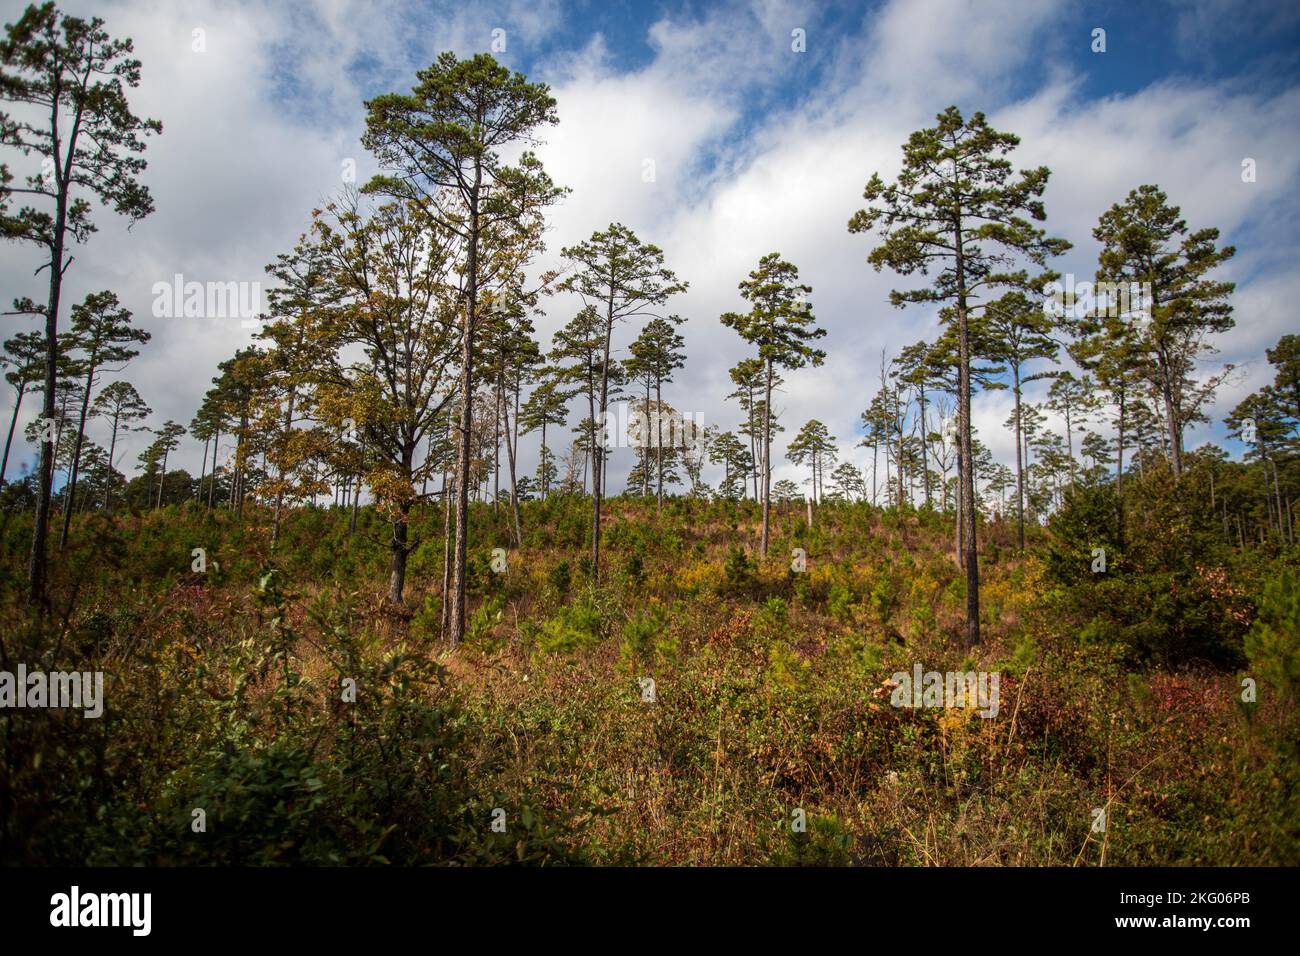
76, 454
1119, 468
1020, 475
203, 470
446, 558
466, 418
925, 451
659, 442
514, 498
36, 562
13, 422
767, 456
108, 479
968, 469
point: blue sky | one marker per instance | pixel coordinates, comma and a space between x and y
755, 149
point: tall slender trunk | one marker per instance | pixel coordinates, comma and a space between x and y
466, 419
496, 438
960, 552
13, 421
446, 557
76, 451
645, 451
543, 456
767, 455
1069, 442
514, 498
239, 462
659, 442
212, 483
875, 448
968, 469
203, 471
514, 438
598, 454
753, 440
1020, 476
279, 492
162, 478
1174, 431
108, 478
1119, 468
36, 561
899, 420
925, 449
595, 474
397, 568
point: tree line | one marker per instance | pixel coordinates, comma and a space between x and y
399, 358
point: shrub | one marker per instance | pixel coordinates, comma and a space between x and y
1273, 641
573, 626
738, 573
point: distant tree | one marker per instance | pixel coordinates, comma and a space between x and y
1145, 241
847, 481
1095, 447
1071, 398
232, 396
24, 358
294, 348
657, 353
581, 344
918, 368
122, 405
736, 463
102, 333
785, 491
877, 425
1000, 482
1017, 331
510, 354
618, 277
166, 440
1260, 422
814, 446
780, 324
696, 448
747, 375
1285, 357
547, 404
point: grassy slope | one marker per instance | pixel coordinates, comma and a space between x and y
769, 700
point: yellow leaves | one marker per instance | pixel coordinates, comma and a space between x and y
392, 489
700, 576
821, 574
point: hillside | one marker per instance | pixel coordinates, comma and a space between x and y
770, 706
